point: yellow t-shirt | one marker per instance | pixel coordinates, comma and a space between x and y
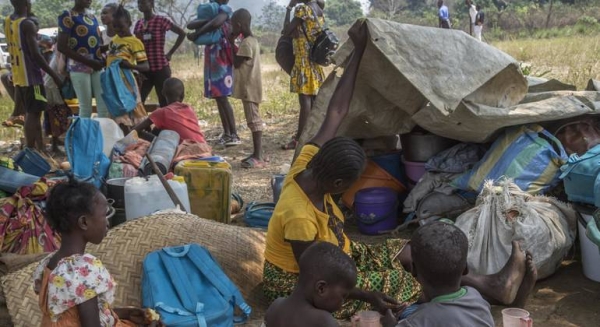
296, 219
128, 48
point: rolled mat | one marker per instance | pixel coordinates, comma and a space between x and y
238, 250
162, 152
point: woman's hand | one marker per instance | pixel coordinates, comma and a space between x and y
96, 65
359, 34
126, 64
382, 302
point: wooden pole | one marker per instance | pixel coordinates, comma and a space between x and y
164, 182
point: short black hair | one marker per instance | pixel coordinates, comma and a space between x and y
173, 88
121, 12
325, 261
439, 251
67, 202
243, 16
339, 158
113, 6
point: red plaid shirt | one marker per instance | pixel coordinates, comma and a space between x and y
152, 33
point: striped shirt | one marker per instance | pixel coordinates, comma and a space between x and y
25, 71
152, 32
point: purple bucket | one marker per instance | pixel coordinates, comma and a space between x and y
376, 209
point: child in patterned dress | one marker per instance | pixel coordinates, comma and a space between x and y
74, 287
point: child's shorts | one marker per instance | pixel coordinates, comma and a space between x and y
255, 123
32, 97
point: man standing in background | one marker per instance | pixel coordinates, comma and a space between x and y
443, 15
479, 19
472, 14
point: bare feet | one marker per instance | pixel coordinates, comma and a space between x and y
528, 282
503, 286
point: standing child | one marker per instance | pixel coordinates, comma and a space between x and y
327, 276
106, 17
74, 287
27, 64
131, 50
152, 30
218, 68
247, 82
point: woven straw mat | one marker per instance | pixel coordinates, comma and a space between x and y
238, 250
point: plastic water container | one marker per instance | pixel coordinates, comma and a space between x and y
32, 162
376, 210
590, 254
366, 319
209, 186
144, 197
111, 133
373, 176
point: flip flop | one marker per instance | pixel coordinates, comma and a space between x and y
12, 121
253, 163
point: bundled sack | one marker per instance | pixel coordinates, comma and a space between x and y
23, 229
543, 225
529, 155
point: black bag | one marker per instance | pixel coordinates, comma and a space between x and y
325, 45
284, 54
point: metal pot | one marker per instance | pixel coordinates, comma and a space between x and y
420, 146
115, 189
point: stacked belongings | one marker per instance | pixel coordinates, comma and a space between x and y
23, 229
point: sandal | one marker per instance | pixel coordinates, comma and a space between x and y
291, 145
253, 163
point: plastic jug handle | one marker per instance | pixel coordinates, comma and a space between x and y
354, 320
527, 322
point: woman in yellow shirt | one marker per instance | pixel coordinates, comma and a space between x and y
131, 50
306, 213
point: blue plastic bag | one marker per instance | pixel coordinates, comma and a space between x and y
208, 11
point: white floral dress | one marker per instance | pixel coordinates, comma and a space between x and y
75, 280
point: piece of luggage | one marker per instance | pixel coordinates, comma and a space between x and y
208, 11
325, 44
259, 214
284, 54
119, 90
581, 176
528, 154
209, 187
188, 288
84, 146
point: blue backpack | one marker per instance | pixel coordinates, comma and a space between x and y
581, 176
119, 90
84, 145
187, 287
208, 11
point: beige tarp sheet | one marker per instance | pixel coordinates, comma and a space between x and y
444, 81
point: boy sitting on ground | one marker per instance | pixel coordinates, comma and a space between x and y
176, 116
327, 275
247, 82
439, 253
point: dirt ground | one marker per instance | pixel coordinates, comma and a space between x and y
565, 299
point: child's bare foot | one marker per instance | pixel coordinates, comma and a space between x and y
528, 282
504, 285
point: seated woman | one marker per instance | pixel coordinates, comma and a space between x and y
307, 213
75, 288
